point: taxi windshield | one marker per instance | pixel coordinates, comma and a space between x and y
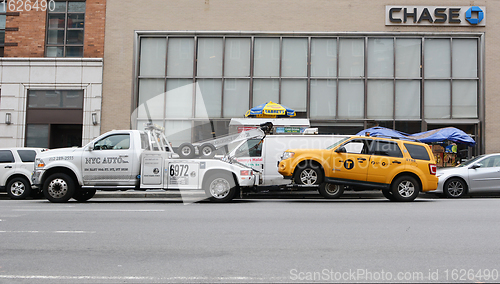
337, 143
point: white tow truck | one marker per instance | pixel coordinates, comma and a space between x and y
135, 159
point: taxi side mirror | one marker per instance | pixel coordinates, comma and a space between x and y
341, 150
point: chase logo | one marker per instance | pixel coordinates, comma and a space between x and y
470, 19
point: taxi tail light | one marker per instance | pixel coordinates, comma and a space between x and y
245, 172
432, 169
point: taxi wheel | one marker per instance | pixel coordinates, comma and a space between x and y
84, 194
220, 187
308, 174
330, 190
454, 188
405, 188
388, 194
18, 188
59, 188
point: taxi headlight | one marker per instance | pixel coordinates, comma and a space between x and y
287, 155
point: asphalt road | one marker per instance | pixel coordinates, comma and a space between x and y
157, 239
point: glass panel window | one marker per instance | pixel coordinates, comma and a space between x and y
380, 99
179, 98
437, 98
178, 132
437, 58
464, 98
407, 99
294, 61
267, 57
293, 94
153, 56
55, 99
237, 57
151, 93
464, 58
37, 135
323, 98
236, 97
210, 57
180, 57
324, 57
209, 98
6, 156
265, 90
351, 57
65, 29
380, 57
408, 54
351, 98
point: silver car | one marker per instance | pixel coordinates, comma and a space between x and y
477, 175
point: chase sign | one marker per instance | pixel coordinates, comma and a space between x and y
435, 16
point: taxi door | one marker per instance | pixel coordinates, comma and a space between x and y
386, 161
109, 161
350, 161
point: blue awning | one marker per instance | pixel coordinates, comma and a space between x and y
436, 135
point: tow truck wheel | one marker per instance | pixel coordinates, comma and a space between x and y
207, 151
220, 187
186, 151
18, 188
405, 188
59, 188
84, 194
330, 190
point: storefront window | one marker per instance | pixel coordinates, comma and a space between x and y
394, 80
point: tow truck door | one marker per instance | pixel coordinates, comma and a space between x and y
109, 161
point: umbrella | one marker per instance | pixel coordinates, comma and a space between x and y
270, 110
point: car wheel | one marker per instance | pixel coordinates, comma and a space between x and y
186, 151
207, 151
454, 188
330, 190
59, 188
388, 194
84, 194
405, 188
220, 187
18, 188
308, 174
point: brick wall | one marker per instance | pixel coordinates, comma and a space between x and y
95, 16
25, 32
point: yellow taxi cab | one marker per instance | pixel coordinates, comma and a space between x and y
400, 168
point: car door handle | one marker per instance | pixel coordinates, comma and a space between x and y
123, 156
8, 167
361, 159
396, 162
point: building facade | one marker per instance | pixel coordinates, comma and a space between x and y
51, 72
345, 65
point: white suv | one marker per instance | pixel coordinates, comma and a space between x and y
16, 167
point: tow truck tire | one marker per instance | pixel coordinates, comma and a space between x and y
220, 187
207, 151
405, 188
18, 188
84, 194
186, 151
330, 190
59, 188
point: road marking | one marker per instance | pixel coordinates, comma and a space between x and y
51, 232
143, 278
88, 210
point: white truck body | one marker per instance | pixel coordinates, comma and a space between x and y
134, 159
265, 156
